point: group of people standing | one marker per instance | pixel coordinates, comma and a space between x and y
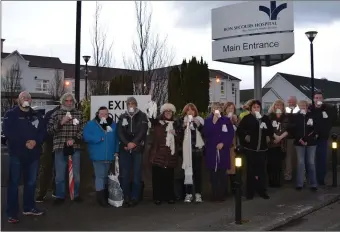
267, 141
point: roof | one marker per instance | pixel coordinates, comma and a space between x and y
33, 95
247, 94
38, 61
214, 73
330, 89
106, 73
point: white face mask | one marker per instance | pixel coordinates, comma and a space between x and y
303, 112
25, 104
190, 118
258, 115
103, 120
278, 111
319, 103
131, 110
230, 115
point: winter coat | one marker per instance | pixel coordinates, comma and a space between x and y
102, 145
181, 133
160, 154
220, 132
133, 128
19, 127
325, 117
303, 131
280, 125
250, 126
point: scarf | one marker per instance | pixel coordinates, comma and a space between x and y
170, 138
187, 148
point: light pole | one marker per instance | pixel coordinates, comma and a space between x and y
335, 159
311, 36
86, 59
77, 53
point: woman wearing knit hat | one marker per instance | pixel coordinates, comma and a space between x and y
163, 155
255, 132
219, 133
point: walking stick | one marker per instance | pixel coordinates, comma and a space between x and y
70, 178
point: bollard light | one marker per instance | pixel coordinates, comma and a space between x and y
335, 159
238, 162
334, 145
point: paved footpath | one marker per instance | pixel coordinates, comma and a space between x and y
285, 204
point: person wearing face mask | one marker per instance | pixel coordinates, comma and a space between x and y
306, 129
325, 117
218, 132
132, 129
66, 126
246, 108
277, 146
26, 131
255, 132
230, 112
163, 155
191, 127
103, 145
291, 109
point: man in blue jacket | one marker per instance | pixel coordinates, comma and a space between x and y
25, 130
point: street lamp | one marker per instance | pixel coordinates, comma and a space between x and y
335, 159
86, 59
311, 36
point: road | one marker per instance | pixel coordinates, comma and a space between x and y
325, 219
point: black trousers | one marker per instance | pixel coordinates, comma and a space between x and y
163, 183
274, 166
218, 183
256, 173
197, 174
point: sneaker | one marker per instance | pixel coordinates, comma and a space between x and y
58, 201
40, 199
13, 220
188, 198
34, 212
198, 198
53, 195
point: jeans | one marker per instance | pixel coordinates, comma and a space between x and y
306, 153
30, 171
61, 162
321, 160
127, 162
101, 171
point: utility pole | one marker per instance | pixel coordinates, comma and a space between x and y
77, 54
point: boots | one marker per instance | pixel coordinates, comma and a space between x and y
102, 201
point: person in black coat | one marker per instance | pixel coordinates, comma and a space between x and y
325, 117
306, 129
255, 132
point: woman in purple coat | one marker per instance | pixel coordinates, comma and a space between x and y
219, 133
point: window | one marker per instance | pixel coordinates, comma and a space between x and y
223, 90
42, 85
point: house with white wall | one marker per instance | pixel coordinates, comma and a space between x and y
35, 74
283, 85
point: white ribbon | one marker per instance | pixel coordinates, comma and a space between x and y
263, 125
310, 122
108, 129
68, 114
75, 121
218, 159
125, 122
324, 114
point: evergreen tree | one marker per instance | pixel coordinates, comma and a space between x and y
174, 87
121, 85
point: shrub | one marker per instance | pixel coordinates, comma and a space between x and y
86, 108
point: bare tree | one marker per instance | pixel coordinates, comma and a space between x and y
151, 57
102, 57
57, 87
10, 87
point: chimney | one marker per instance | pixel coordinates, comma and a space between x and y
2, 44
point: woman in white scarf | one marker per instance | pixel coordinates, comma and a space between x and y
163, 155
192, 125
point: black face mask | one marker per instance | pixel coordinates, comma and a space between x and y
109, 121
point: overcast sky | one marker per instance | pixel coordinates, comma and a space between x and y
48, 29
